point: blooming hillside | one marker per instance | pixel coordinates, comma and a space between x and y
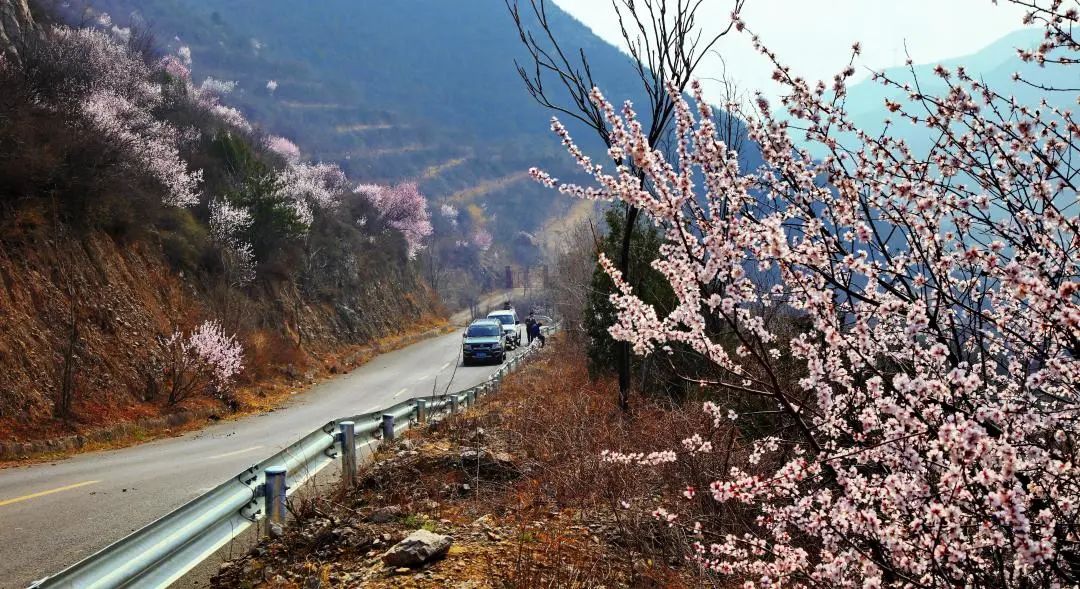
424, 90
163, 240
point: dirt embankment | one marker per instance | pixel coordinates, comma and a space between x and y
88, 315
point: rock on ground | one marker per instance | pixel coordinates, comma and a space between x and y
385, 514
418, 548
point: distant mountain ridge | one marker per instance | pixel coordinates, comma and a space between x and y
995, 65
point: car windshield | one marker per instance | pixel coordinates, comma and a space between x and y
484, 330
504, 319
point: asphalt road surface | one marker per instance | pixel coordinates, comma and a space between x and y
54, 514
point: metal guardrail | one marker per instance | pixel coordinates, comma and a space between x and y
164, 550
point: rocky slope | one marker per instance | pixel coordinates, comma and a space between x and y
106, 306
15, 18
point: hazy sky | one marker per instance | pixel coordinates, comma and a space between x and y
814, 37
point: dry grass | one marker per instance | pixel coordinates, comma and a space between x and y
559, 422
538, 509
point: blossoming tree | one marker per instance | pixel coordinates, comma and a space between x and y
404, 208
930, 303
207, 360
105, 88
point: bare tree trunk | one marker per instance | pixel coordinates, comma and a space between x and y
622, 350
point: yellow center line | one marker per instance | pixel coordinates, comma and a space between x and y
43, 493
399, 393
235, 452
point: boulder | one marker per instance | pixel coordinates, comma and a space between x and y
418, 548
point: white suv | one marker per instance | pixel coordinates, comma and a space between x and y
510, 322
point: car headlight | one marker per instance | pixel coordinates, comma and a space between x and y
468, 346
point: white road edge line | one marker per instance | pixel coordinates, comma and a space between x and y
399, 393
445, 366
235, 452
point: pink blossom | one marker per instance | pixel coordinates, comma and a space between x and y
115, 97
482, 239
930, 305
404, 208
207, 358
216, 86
222, 352
171, 65
145, 140
107, 67
231, 117
227, 221
313, 185
283, 147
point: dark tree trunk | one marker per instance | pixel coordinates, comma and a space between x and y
622, 349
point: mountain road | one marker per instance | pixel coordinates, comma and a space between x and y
54, 514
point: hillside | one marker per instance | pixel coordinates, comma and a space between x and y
420, 89
158, 254
204, 212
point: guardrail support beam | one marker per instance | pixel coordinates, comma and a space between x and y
453, 404
387, 427
348, 453
274, 496
421, 411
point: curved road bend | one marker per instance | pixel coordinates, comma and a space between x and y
54, 514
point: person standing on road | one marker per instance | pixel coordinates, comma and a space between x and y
538, 333
530, 322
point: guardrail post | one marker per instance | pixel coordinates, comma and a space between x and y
387, 427
348, 453
274, 496
421, 411
453, 404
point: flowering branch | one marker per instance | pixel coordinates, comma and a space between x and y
929, 301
